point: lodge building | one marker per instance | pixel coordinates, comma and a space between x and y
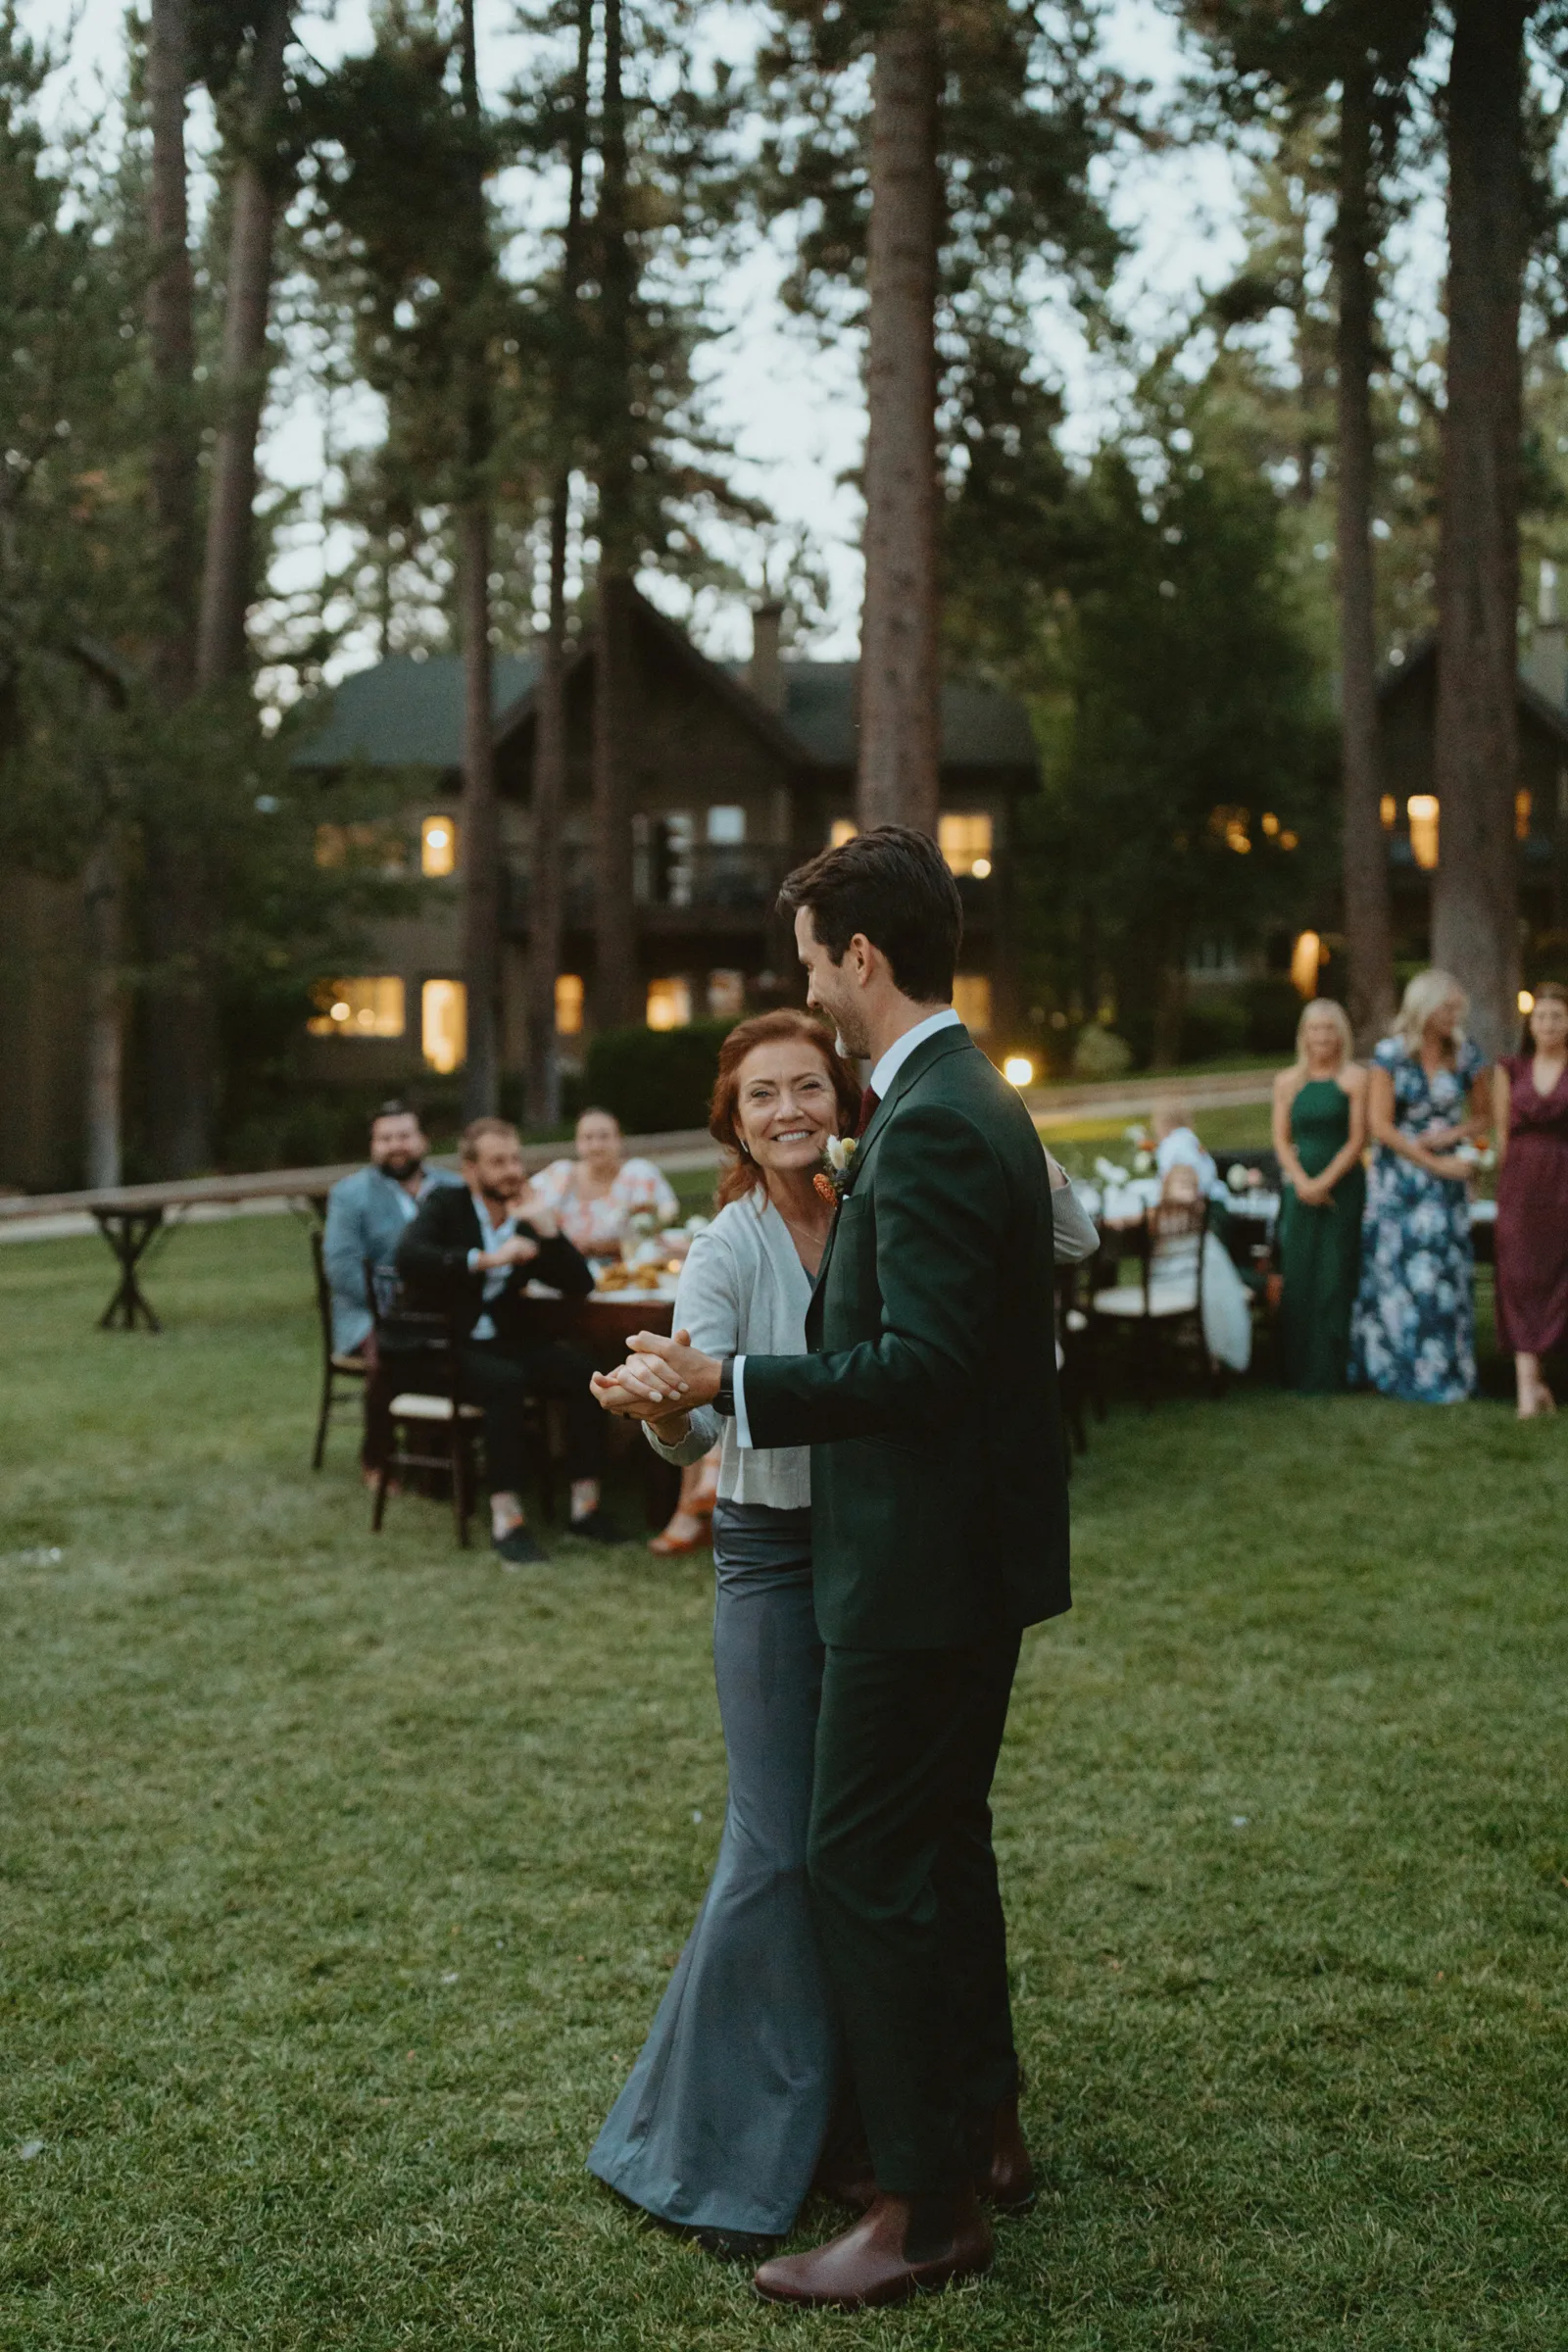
741, 772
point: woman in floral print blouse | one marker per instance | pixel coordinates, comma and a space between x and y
1413, 1331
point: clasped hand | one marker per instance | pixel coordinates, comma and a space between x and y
516, 1252
659, 1379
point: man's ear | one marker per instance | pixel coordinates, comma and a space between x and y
863, 956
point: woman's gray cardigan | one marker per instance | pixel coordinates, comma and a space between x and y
744, 1292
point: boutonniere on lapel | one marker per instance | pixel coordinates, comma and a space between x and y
832, 1182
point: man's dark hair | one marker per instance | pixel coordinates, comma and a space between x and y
893, 885
394, 1110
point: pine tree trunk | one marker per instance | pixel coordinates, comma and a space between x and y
180, 1013
481, 825
1368, 918
616, 973
103, 906
900, 688
481, 813
1475, 897
231, 495
546, 894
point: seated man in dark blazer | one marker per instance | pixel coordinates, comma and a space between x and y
470, 1250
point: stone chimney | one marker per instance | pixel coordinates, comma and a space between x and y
1546, 664
765, 672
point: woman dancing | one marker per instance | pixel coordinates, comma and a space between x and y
722, 2119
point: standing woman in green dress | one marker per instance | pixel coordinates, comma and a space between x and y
1319, 1136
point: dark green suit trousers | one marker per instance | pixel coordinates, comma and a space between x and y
903, 1884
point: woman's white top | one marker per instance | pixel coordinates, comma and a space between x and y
743, 1290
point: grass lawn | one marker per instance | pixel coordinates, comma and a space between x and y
339, 1877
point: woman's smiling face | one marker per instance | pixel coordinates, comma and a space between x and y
785, 1106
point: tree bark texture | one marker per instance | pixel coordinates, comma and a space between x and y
179, 1015
1475, 900
482, 811
616, 972
481, 825
102, 889
547, 891
1368, 917
900, 687
616, 964
243, 367
171, 337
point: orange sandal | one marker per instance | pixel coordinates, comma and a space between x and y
667, 1547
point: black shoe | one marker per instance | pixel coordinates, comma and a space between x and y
597, 1526
517, 1549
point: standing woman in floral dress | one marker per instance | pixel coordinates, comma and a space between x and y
1413, 1331
1530, 1102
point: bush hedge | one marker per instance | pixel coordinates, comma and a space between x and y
653, 1079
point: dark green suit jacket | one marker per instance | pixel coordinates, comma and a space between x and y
939, 1485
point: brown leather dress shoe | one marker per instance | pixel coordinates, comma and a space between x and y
904, 2246
1004, 2173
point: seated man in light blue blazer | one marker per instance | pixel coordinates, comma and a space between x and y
367, 1216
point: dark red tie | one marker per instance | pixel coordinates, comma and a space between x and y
868, 1102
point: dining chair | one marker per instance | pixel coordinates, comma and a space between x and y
1161, 1312
336, 1364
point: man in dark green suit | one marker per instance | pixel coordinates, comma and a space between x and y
939, 1531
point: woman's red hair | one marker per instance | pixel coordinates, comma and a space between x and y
741, 1175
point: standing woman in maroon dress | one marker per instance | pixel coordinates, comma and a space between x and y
1530, 1094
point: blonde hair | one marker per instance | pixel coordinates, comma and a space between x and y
1324, 1008
1425, 994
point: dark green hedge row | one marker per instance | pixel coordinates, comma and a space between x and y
652, 1079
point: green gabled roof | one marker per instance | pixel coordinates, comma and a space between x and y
408, 713
981, 727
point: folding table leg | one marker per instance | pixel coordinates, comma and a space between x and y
130, 1234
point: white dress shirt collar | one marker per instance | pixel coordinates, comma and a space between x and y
898, 1053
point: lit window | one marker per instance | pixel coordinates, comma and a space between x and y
727, 996
358, 1007
1305, 958
438, 846
1389, 812
841, 829
1422, 810
569, 1003
964, 841
359, 845
669, 1003
971, 1002
1522, 805
444, 1024
727, 827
